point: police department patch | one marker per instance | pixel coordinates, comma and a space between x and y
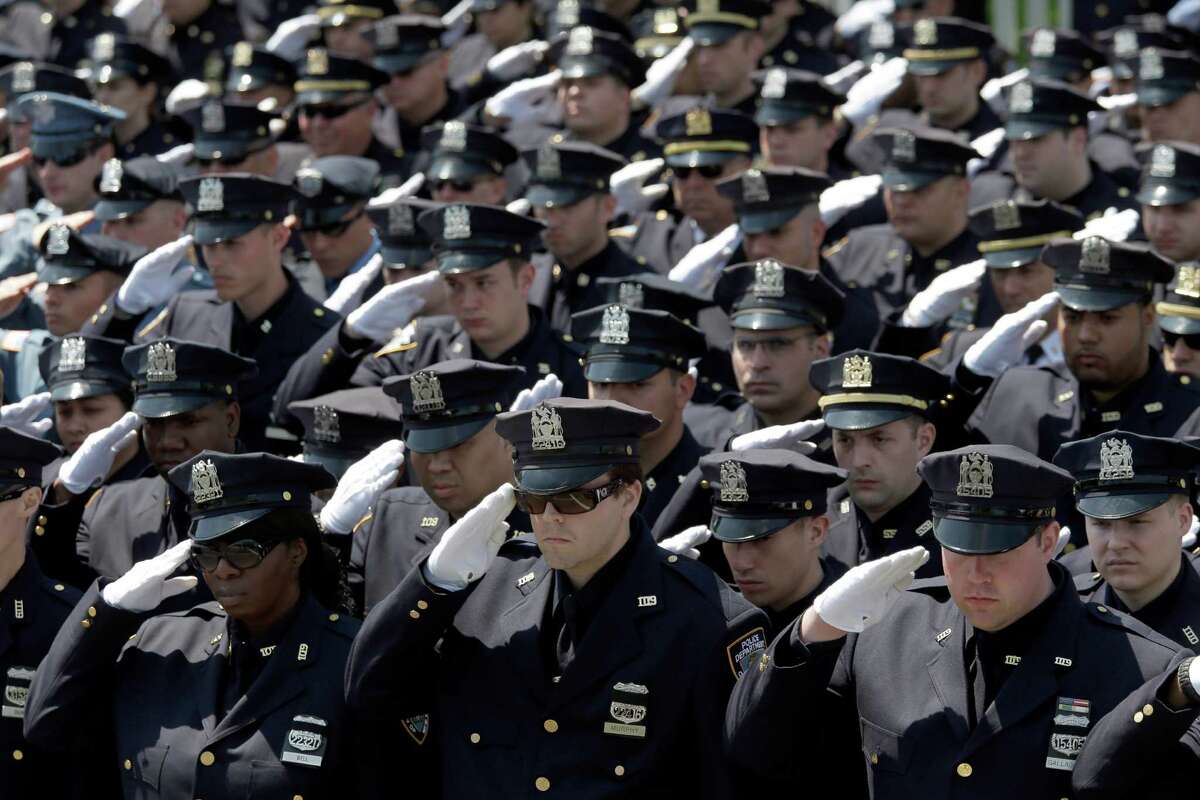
744, 651
417, 727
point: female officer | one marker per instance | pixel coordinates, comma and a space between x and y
236, 698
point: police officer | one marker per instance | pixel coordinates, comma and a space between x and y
799, 34
140, 202
199, 33
186, 397
1014, 672
80, 272
130, 76
1114, 377
256, 74
926, 194
343, 427
1179, 322
568, 189
499, 24
330, 211
1169, 192
640, 357
566, 627
884, 414
76, 24
1167, 94
345, 26
467, 163
795, 120
1134, 492
266, 710
230, 137
406, 249
729, 44
32, 609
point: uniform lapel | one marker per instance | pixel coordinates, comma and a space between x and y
220, 322
948, 674
207, 692
521, 626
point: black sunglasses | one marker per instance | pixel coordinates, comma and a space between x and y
458, 186
709, 171
331, 230
243, 554
225, 162
576, 501
330, 110
1192, 340
67, 161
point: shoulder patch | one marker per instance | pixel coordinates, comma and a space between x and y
836, 247
417, 727
744, 651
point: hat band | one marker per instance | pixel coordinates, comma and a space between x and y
183, 387
1177, 310
1178, 485
451, 413
814, 507
332, 86
273, 499
704, 145
942, 55
352, 11
741, 20
997, 245
815, 317
870, 397
966, 511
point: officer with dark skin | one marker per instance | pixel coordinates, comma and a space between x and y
1134, 492
564, 618
1017, 670
640, 358
32, 609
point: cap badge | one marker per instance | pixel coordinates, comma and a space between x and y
59, 243
856, 372
317, 62
73, 354
768, 278
1125, 43
547, 429
925, 33
698, 122
567, 14
549, 166
1043, 43
881, 36
1150, 66
457, 223
111, 175
579, 42
243, 54
1116, 460
614, 328
974, 476
212, 118
666, 21
104, 47
1006, 215
1162, 161
24, 77
1094, 255
386, 36
212, 195
400, 220
632, 295
708, 6
309, 182
754, 187
426, 390
733, 483
775, 84
904, 146
454, 136
160, 363
206, 484
1187, 281
326, 427
1021, 100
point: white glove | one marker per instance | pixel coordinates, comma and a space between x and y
1189, 538
456, 21
792, 437
1116, 226
993, 88
148, 582
663, 73
407, 189
519, 59
866, 96
139, 15
1064, 537
628, 185
153, 281
178, 155
986, 145
701, 266
349, 291
361, 485
864, 595
28, 415
687, 542
862, 14
1185, 14
187, 94
527, 100
94, 458
520, 207
1013, 334
845, 195
1117, 102
392, 307
547, 388
943, 296
293, 35
467, 548
845, 77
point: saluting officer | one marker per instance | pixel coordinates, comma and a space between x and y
729, 44
466, 163
140, 203
330, 211
132, 77
1167, 94
1135, 494
263, 710
640, 357
619, 656
1011, 676
1179, 322
342, 427
795, 120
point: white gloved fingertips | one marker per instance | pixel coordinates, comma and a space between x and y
467, 548
148, 583
91, 463
864, 595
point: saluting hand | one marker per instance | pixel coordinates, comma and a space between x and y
88, 465
943, 296
663, 73
28, 415
467, 548
148, 583
1013, 334
349, 291
628, 186
361, 486
792, 437
547, 388
154, 279
864, 595
687, 542
392, 307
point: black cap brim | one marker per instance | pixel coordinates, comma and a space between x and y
158, 406
557, 195
454, 168
206, 529
405, 257
246, 82
708, 34
337, 466
776, 113
1167, 194
702, 158
443, 437
1024, 129
398, 62
215, 231
768, 320
318, 96
1119, 506
584, 67
311, 217
109, 210
975, 538
933, 66
1153, 96
861, 418
742, 529
1177, 324
611, 370
77, 390
61, 274
909, 180
549, 480
1010, 259
1095, 299
454, 262
61, 148
222, 149
766, 221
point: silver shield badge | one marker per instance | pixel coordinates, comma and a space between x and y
59, 241
614, 327
72, 355
1116, 460
160, 363
547, 429
734, 488
754, 187
454, 136
111, 175
212, 118
309, 182
974, 476
456, 223
426, 390
211, 195
1094, 255
326, 426
768, 278
206, 484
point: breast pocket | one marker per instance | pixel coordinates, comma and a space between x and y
145, 771
886, 752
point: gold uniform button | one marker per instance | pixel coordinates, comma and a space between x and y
551, 726
18, 755
1138, 717
39, 530
415, 614
619, 770
672, 559
327, 356
542, 784
874, 758
421, 604
334, 617
58, 587
964, 770
1102, 609
297, 797
1147, 709
85, 623
128, 764
474, 738
207, 758
42, 520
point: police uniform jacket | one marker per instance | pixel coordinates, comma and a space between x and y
658, 240
854, 539
32, 609
71, 36
906, 681
867, 155
669, 475
1101, 193
198, 48
159, 685
129, 522
1038, 409
574, 290
636, 713
1175, 613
